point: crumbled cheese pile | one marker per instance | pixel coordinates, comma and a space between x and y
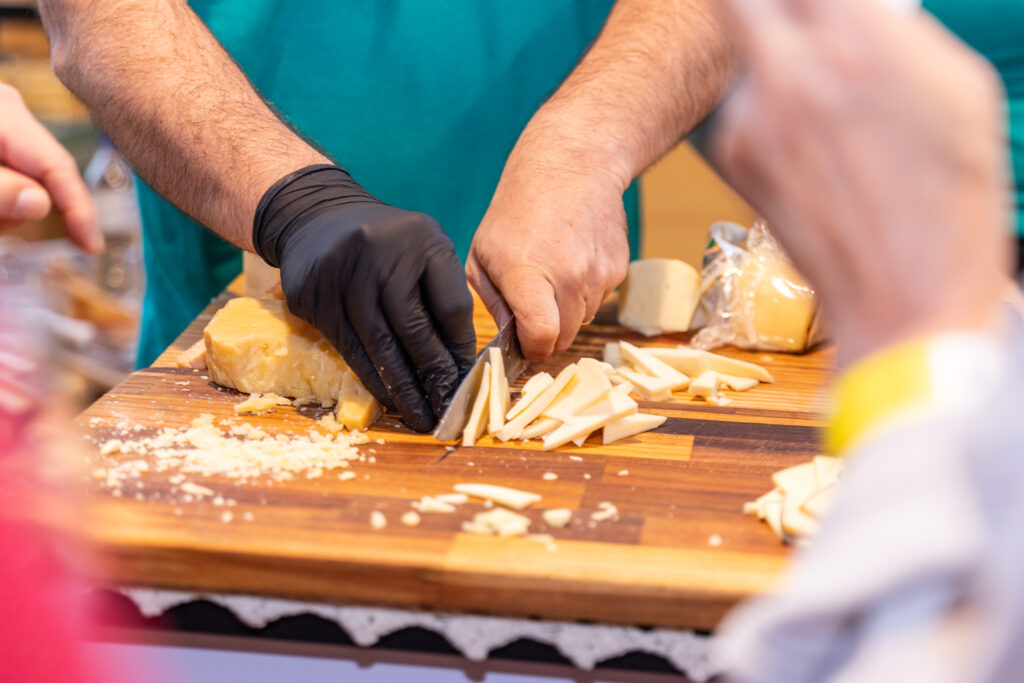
242, 451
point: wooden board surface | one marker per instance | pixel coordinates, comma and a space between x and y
310, 538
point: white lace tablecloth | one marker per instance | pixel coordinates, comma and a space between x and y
585, 645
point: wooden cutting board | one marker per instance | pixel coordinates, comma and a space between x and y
675, 489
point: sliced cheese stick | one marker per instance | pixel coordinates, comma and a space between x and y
499, 398
737, 383
645, 362
651, 388
613, 354
539, 428
478, 415
695, 361
613, 406
588, 387
512, 429
533, 388
799, 480
503, 495
630, 425
705, 385
623, 386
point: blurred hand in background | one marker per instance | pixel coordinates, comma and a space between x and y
874, 144
37, 174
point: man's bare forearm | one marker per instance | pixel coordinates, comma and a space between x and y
176, 105
655, 71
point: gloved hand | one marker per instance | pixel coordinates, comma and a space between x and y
382, 284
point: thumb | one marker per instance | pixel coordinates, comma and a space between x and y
21, 198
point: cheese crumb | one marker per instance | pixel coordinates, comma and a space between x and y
549, 476
431, 504
410, 519
226, 517
345, 476
257, 404
377, 520
623, 473
714, 540
499, 522
606, 511
547, 539
576, 458
557, 517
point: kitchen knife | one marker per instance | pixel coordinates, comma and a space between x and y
457, 414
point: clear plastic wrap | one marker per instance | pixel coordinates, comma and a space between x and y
753, 296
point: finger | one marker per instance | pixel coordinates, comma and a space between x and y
26, 146
488, 293
390, 362
450, 305
21, 198
416, 331
531, 296
572, 311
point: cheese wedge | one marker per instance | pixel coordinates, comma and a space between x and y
193, 357
797, 481
643, 361
531, 390
499, 398
503, 495
588, 386
819, 504
512, 428
737, 383
827, 470
357, 408
658, 296
695, 361
651, 388
478, 414
631, 425
258, 347
613, 406
705, 385
538, 428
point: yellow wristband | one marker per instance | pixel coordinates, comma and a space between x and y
883, 384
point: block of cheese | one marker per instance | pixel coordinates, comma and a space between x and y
256, 346
659, 296
775, 305
357, 408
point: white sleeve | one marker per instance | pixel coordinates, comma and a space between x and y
917, 573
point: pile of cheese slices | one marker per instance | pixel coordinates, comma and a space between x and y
803, 494
592, 395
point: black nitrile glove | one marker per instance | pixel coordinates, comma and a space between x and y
382, 284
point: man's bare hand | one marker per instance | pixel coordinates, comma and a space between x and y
552, 245
874, 143
36, 173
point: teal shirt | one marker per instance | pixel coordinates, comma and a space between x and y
420, 100
995, 28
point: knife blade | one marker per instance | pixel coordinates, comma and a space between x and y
457, 414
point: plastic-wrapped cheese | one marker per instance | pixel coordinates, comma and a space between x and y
775, 304
257, 346
659, 295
